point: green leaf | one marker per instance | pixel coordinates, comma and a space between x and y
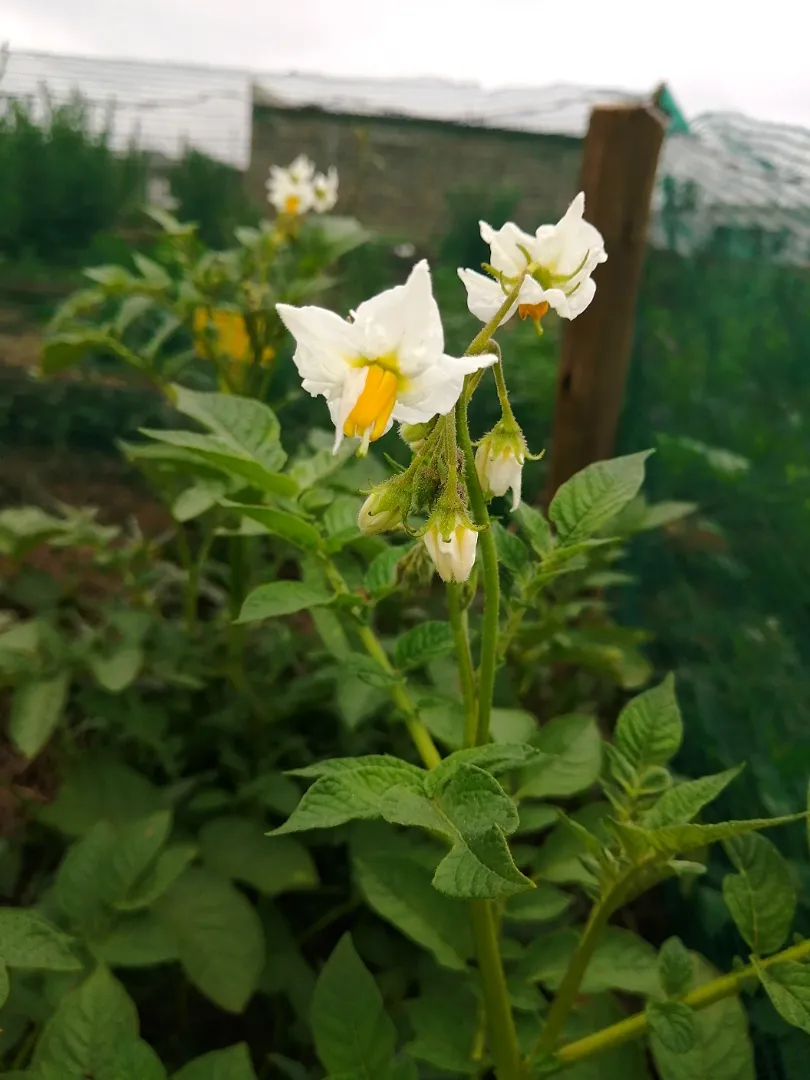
238, 848
219, 937
626, 1061
133, 1059
36, 709
493, 757
5, 985
422, 644
65, 350
444, 1019
680, 804
573, 748
29, 942
282, 598
368, 670
169, 865
676, 839
218, 454
535, 817
723, 1050
674, 1025
542, 904
559, 859
350, 792
231, 1064
534, 527
675, 967
512, 552
788, 986
761, 896
649, 730
137, 940
444, 719
353, 1033
381, 576
396, 883
117, 670
279, 523
586, 503
246, 424
137, 846
100, 788
622, 961
88, 1027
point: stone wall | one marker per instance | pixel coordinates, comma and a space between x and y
395, 173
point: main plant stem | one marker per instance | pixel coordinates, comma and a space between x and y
502, 1036
699, 998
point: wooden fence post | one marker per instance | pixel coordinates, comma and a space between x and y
619, 163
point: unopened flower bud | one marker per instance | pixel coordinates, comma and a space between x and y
379, 513
499, 462
413, 435
452, 548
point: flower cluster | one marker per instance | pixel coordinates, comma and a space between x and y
298, 189
386, 364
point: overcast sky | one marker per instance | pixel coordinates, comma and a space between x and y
715, 54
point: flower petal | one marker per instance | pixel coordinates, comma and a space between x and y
505, 244
484, 296
326, 345
436, 390
405, 321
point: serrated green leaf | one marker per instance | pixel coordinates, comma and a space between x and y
238, 848
353, 793
681, 803
219, 937
723, 1050
397, 885
36, 710
788, 986
422, 644
29, 942
353, 1033
673, 1024
279, 523
404, 771
282, 598
673, 840
589, 500
675, 967
512, 552
534, 527
649, 730
215, 452
232, 1063
761, 896
572, 749
89, 1025
493, 757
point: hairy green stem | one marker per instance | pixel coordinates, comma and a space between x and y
503, 1042
461, 637
569, 987
419, 733
699, 998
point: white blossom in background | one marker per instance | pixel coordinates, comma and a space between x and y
565, 255
499, 463
325, 190
387, 363
302, 170
287, 194
453, 551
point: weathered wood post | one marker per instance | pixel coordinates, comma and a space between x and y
620, 158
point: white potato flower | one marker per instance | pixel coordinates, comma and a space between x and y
453, 551
565, 255
499, 463
387, 363
325, 190
291, 191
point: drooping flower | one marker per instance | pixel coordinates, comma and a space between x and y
290, 191
452, 547
499, 461
325, 190
388, 363
378, 514
564, 256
